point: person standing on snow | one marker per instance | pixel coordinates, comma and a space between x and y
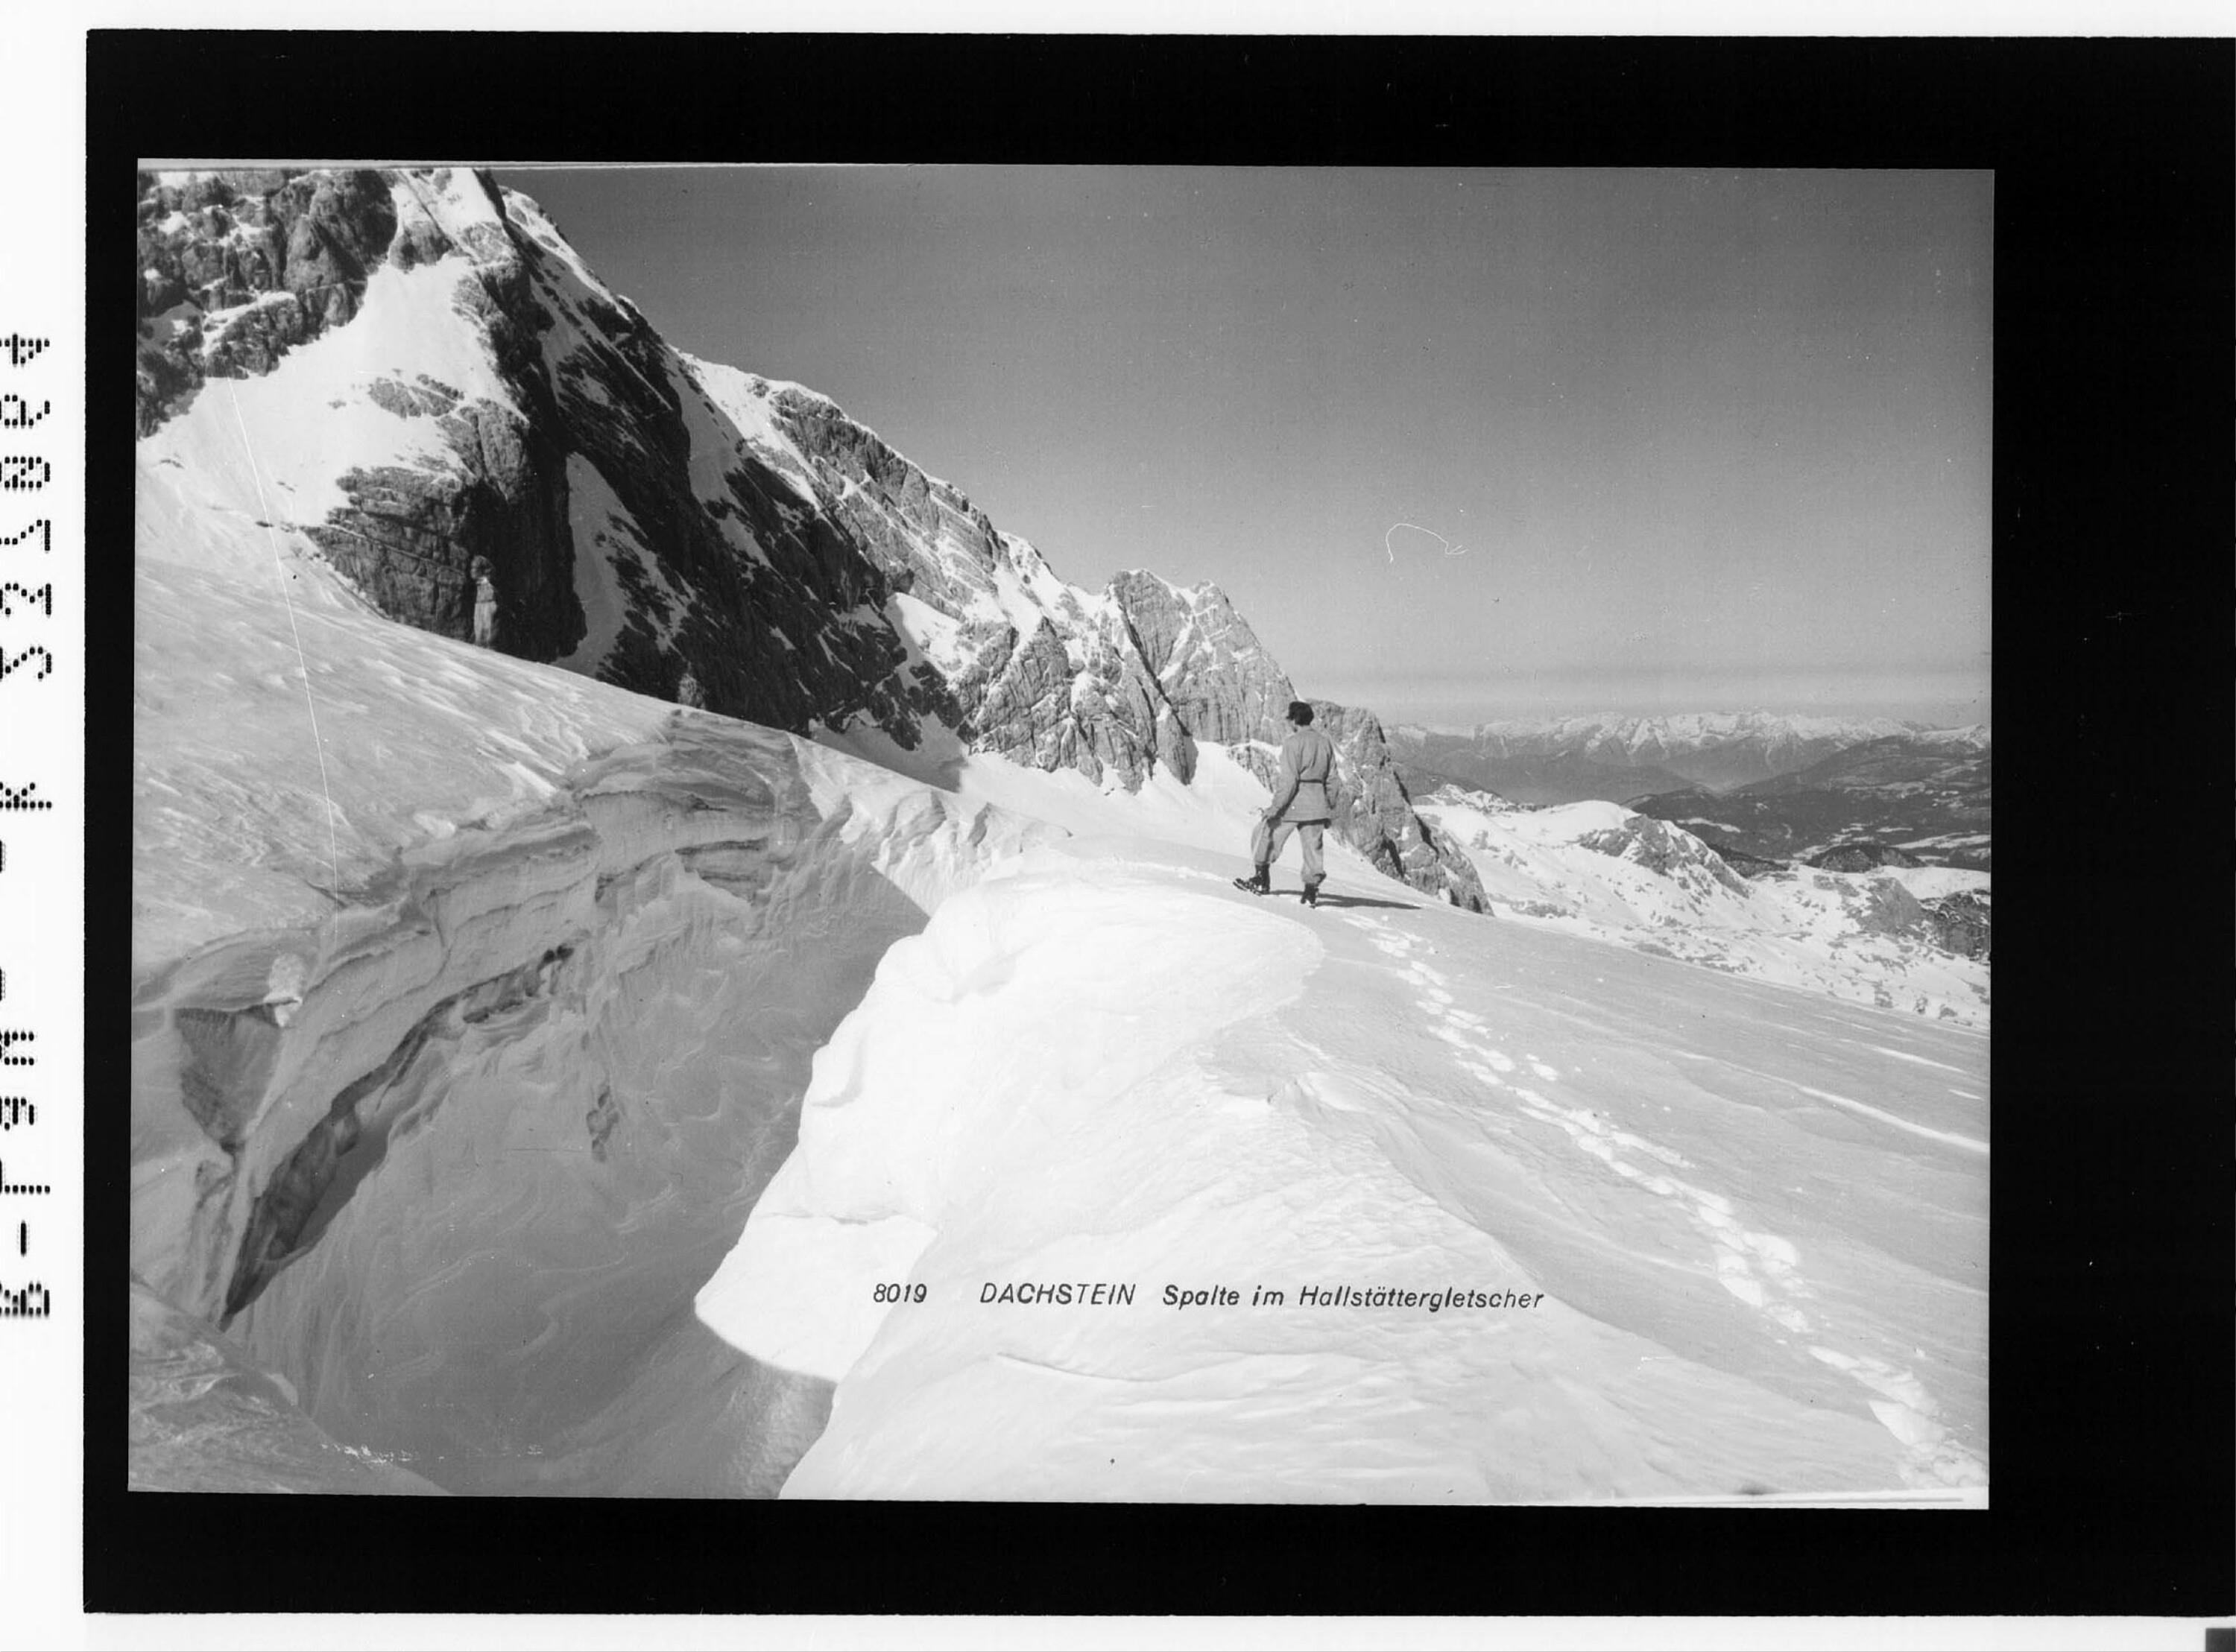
1301, 805
484, 604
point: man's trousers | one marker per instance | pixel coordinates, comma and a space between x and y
1267, 843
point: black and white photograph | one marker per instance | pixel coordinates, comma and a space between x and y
716, 753
1032, 835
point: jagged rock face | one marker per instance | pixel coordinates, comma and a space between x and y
1221, 683
237, 268
892, 511
591, 462
1121, 701
1153, 672
1961, 923
1027, 713
1666, 850
410, 534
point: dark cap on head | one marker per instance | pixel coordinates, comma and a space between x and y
1300, 712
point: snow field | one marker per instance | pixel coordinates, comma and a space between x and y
1029, 1001
1394, 1094
1032, 1092
1812, 930
1759, 1269
230, 809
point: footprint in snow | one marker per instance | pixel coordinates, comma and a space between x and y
1761, 1269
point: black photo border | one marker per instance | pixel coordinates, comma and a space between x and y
2111, 1235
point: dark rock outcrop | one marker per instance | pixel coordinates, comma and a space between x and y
1860, 857
237, 267
1746, 865
1663, 849
1882, 907
1961, 923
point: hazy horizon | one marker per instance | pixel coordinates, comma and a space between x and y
1458, 444
1451, 707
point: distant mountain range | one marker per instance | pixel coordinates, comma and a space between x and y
1930, 799
1574, 758
1755, 783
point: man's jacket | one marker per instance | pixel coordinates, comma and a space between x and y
1301, 790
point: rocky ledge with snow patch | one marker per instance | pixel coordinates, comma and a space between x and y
1664, 850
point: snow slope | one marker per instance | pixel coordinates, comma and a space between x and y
472, 1002
1750, 1223
1589, 869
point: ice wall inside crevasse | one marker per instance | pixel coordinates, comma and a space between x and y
459, 1193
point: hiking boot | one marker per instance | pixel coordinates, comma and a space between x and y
1312, 894
1259, 882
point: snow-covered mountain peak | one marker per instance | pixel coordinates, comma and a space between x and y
1488, 802
1625, 756
1636, 735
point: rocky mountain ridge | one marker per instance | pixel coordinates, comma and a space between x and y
476, 402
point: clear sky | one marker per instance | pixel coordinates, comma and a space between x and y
1670, 440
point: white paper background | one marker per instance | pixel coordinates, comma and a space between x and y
42, 886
